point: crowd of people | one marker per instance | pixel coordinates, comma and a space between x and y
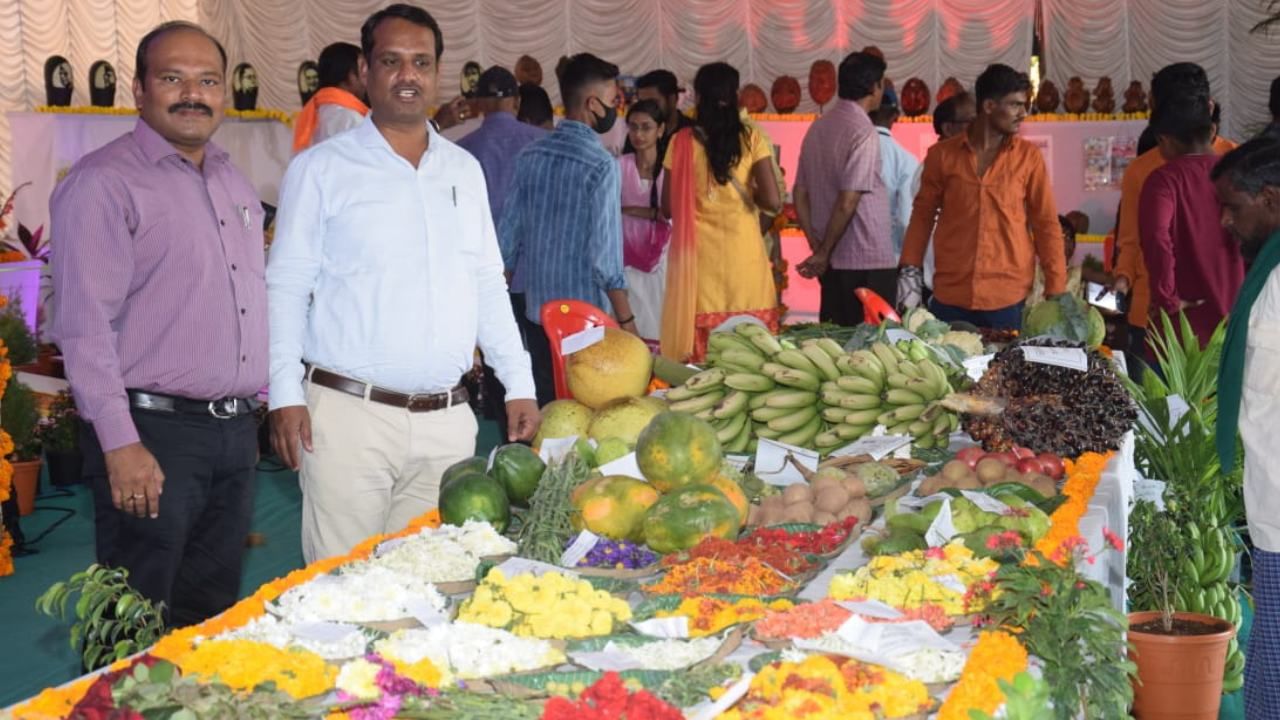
397, 253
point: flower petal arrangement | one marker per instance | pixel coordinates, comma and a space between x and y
551, 605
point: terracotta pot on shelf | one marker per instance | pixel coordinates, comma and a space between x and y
26, 484
1179, 676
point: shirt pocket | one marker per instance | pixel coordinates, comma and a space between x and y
380, 227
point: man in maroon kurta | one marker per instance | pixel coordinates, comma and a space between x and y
1193, 265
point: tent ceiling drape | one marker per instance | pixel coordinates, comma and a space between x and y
930, 39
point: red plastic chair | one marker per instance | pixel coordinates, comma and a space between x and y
562, 318
874, 309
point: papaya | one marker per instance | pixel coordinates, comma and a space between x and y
676, 449
733, 493
683, 517
613, 506
475, 496
519, 469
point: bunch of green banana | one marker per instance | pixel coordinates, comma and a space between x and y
885, 386
1203, 588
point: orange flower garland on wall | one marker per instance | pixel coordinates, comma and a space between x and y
6, 469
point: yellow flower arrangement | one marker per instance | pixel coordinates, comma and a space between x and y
996, 656
244, 664
938, 576
424, 672
359, 679
551, 605
710, 615
1083, 475
825, 687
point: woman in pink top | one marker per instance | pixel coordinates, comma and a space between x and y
645, 232
1192, 262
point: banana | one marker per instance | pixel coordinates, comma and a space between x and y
766, 413
821, 360
897, 380
887, 357
1190, 572
804, 435
705, 381
852, 432
699, 403
941, 383
828, 386
735, 403
900, 429
908, 368
830, 347
864, 363
861, 402
827, 440
723, 341
762, 399
886, 418
705, 415
733, 429
796, 419
945, 424
862, 417
1198, 558
922, 387
834, 415
792, 399
925, 443
903, 397
764, 341
763, 430
859, 385
918, 428
796, 359
743, 359
749, 382
834, 397
680, 392
739, 443
798, 379
909, 412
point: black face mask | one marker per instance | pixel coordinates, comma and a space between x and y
604, 124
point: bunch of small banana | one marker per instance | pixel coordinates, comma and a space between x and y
1204, 589
885, 386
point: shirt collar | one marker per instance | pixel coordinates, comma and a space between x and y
499, 117
155, 148
369, 136
884, 131
575, 127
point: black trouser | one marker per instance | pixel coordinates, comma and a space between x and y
841, 306
494, 391
544, 378
190, 556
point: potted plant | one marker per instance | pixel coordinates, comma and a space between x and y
16, 334
59, 435
1181, 656
19, 417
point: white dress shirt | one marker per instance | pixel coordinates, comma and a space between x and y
332, 119
1260, 416
898, 170
386, 273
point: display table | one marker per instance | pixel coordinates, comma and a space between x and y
46, 145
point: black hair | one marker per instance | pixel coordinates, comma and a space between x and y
1252, 166
859, 73
580, 71
885, 115
1147, 140
1068, 235
337, 62
1273, 102
663, 80
535, 105
651, 108
947, 110
999, 81
1185, 120
722, 129
140, 58
415, 15
1184, 78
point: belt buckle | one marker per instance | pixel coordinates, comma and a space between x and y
415, 398
223, 409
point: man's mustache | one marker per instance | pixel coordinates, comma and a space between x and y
198, 107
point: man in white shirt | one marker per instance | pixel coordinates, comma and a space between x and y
384, 276
898, 169
1247, 182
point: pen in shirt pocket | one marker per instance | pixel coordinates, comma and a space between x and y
455, 195
244, 216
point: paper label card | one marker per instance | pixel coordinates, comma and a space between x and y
425, 613
736, 692
911, 502
625, 465
571, 344
872, 609
985, 502
554, 449
1120, 360
1149, 491
676, 627
1070, 358
975, 367
877, 447
520, 566
773, 467
942, 529
579, 548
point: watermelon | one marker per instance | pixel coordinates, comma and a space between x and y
613, 506
683, 517
475, 496
462, 467
676, 449
519, 469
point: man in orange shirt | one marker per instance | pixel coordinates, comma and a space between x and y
1177, 80
986, 186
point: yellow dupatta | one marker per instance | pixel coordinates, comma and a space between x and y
679, 305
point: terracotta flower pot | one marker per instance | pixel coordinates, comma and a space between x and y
26, 484
1179, 676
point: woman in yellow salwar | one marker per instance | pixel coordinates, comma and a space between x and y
719, 179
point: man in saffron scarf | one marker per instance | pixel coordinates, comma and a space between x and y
339, 104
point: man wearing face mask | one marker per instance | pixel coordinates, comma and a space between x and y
563, 214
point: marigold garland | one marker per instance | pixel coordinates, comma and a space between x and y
245, 664
1083, 475
996, 656
6, 468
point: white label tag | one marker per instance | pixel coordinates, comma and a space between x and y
877, 447
872, 609
625, 465
1121, 361
610, 658
1149, 491
942, 529
951, 582
571, 344
554, 449
425, 613
892, 640
664, 627
773, 467
1070, 358
579, 548
520, 566
911, 502
975, 367
985, 502
736, 692
739, 462
322, 632
1178, 407
894, 335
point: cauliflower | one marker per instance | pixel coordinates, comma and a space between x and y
915, 318
969, 343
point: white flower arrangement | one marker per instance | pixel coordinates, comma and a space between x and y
445, 554
329, 642
467, 651
361, 593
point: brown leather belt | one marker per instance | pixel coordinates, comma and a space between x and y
413, 403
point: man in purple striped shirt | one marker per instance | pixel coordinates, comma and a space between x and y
841, 201
162, 321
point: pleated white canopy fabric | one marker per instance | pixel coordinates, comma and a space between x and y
930, 39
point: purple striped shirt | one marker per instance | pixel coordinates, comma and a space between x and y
841, 152
158, 275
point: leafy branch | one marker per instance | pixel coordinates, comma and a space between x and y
112, 620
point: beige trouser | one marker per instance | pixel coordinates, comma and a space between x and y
374, 467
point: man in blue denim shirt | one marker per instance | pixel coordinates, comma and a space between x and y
562, 217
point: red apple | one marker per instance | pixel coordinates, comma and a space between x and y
971, 455
1007, 458
1029, 465
1022, 453
1052, 465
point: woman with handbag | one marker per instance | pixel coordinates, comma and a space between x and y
719, 179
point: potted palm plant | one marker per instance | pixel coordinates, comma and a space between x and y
19, 417
1181, 656
59, 434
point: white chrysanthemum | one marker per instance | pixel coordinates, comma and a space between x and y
470, 651
270, 630
363, 592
